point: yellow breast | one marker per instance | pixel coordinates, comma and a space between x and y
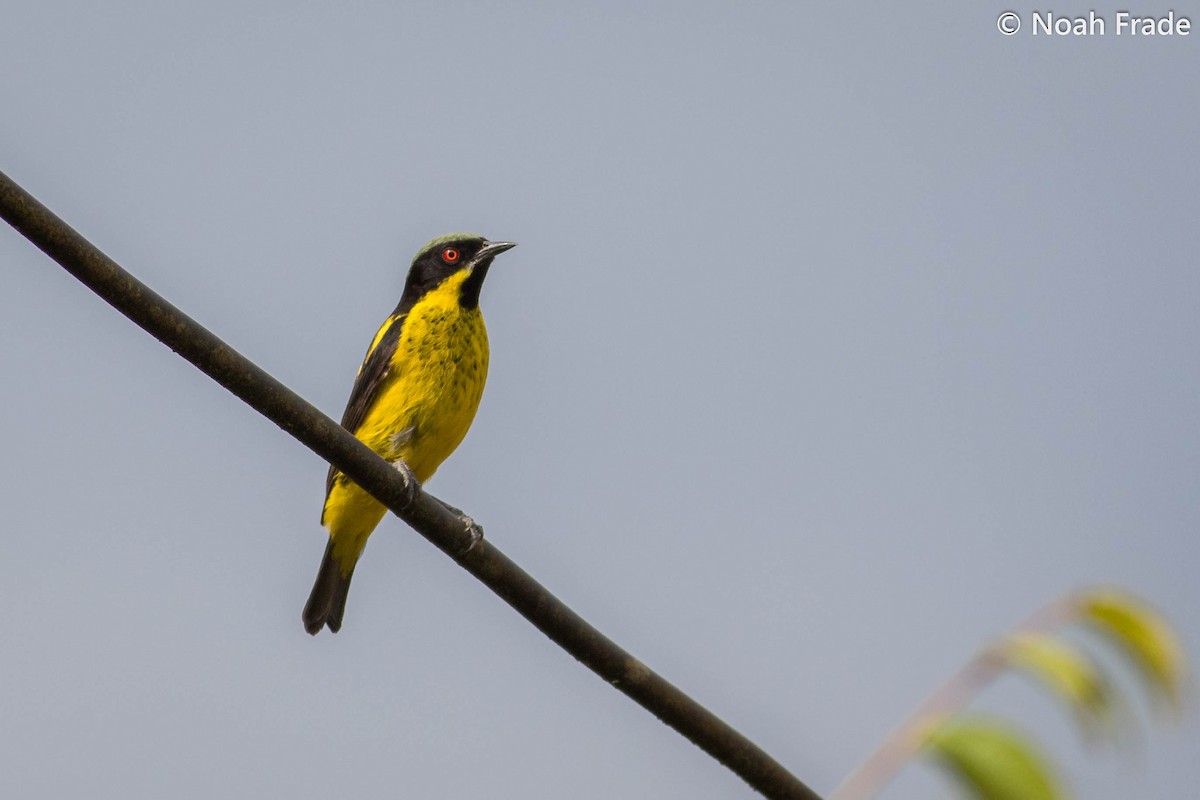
429, 399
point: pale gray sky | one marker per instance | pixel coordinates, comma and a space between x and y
837, 341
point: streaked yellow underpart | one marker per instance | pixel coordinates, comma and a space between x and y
434, 388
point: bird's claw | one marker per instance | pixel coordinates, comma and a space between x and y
474, 529
474, 532
412, 487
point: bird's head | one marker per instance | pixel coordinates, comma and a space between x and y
448, 256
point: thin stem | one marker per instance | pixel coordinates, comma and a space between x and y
870, 777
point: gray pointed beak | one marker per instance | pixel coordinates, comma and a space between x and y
491, 249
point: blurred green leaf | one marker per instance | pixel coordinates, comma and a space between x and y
1068, 673
993, 760
1143, 635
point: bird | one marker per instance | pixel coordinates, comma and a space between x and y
414, 398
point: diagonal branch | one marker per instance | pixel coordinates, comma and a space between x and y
420, 510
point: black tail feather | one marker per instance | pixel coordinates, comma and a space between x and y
327, 603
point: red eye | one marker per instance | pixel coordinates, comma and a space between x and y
449, 255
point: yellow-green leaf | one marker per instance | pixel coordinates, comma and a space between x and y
1065, 670
1143, 635
993, 760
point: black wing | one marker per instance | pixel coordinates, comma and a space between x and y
371, 375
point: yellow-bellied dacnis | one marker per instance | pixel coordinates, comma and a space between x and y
413, 400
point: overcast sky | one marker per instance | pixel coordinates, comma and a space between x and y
837, 341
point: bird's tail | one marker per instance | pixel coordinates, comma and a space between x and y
327, 603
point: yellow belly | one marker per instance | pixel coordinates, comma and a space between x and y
422, 412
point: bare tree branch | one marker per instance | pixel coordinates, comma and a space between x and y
420, 510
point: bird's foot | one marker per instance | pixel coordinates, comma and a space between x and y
474, 531
412, 487
473, 528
